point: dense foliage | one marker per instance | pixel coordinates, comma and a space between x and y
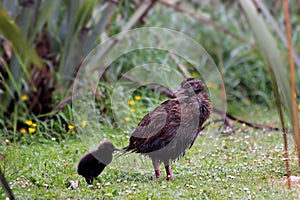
63, 33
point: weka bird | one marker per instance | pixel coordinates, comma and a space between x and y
93, 163
165, 133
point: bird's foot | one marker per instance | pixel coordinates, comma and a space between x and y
157, 174
169, 173
170, 177
89, 180
156, 178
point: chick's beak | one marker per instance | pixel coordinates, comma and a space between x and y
179, 92
116, 149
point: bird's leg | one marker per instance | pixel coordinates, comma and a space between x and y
156, 167
169, 172
89, 180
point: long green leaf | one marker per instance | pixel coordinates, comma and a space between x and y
80, 43
5, 186
106, 13
11, 32
41, 15
68, 38
268, 45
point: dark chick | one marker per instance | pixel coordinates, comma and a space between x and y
93, 163
165, 133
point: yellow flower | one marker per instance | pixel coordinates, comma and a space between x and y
24, 97
83, 124
131, 102
23, 130
28, 122
248, 102
33, 124
127, 119
212, 85
194, 74
299, 106
71, 127
137, 98
132, 110
31, 130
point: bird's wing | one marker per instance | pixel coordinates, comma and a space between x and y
84, 164
180, 128
151, 123
156, 129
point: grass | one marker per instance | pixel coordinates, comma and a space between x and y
247, 164
244, 165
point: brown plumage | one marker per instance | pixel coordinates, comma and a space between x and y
93, 163
165, 133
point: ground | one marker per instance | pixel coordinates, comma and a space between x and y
246, 164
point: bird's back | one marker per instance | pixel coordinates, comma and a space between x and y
90, 166
170, 128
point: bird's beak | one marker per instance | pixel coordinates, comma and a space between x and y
179, 92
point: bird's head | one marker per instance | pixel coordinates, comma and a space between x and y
107, 147
104, 152
190, 87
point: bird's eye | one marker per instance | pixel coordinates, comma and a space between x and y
186, 86
198, 89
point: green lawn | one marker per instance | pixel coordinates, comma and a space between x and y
247, 164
